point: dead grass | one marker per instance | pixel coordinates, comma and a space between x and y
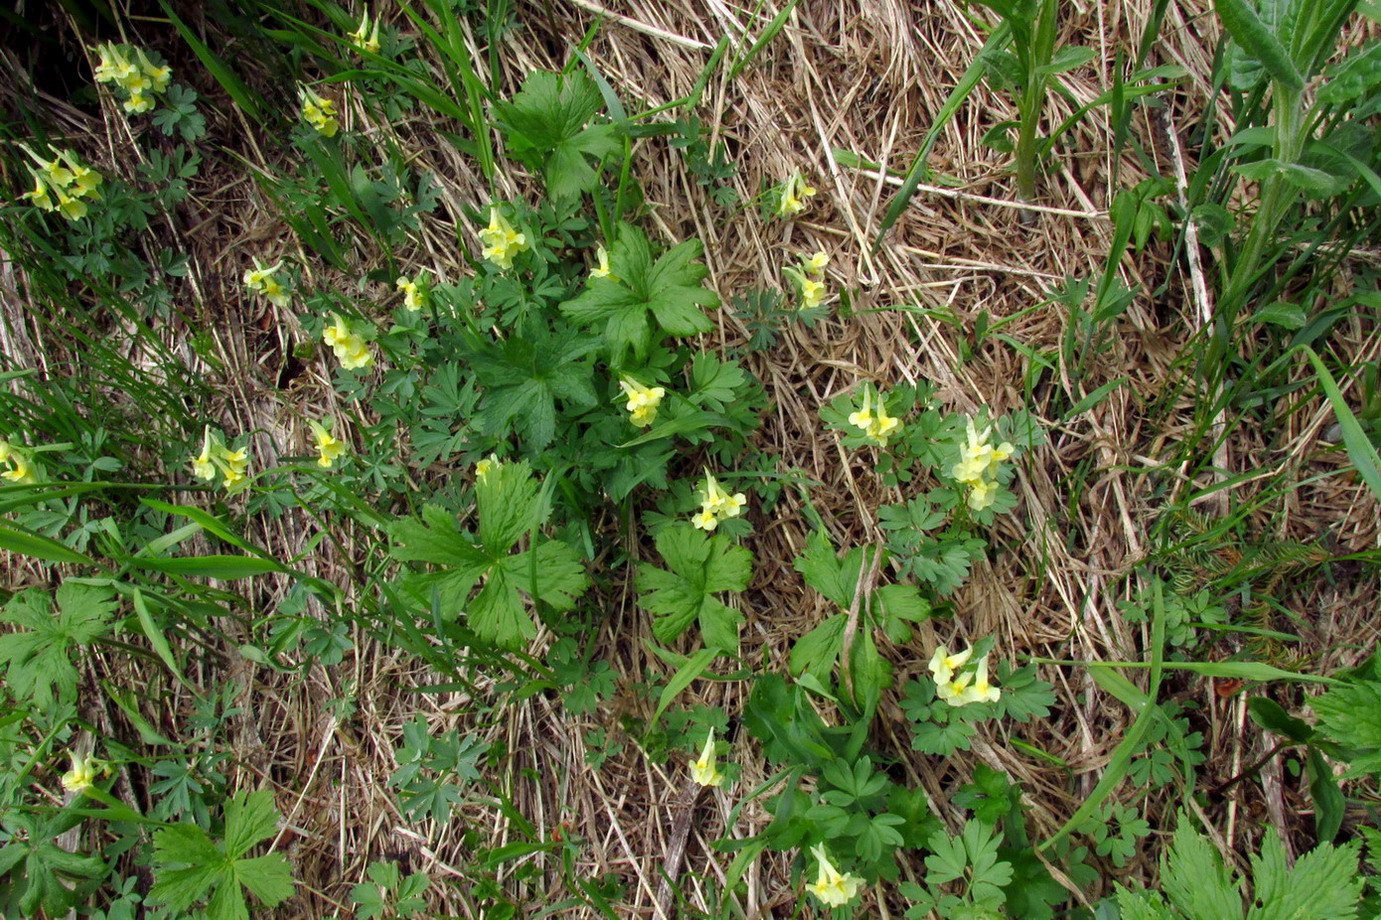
865, 77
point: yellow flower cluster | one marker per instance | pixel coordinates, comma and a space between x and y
328, 448
716, 504
978, 466
501, 241
216, 456
366, 37
414, 292
318, 112
704, 770
794, 193
265, 281
642, 401
82, 776
809, 278
873, 418
486, 465
62, 184
132, 71
21, 471
602, 270
960, 689
831, 887
351, 349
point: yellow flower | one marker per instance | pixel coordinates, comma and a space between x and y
71, 208
366, 38
501, 241
352, 351
82, 775
318, 112
602, 271
981, 691
414, 294
160, 77
642, 401
982, 493
265, 281
39, 196
721, 504
952, 690
812, 293
485, 466
84, 181
21, 471
816, 263
5, 450
703, 769
329, 449
830, 887
114, 66
794, 193
705, 519
883, 425
943, 664
138, 103
863, 418
202, 466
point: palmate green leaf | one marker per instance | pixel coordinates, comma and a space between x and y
525, 375
37, 660
669, 290
1351, 715
510, 507
190, 867
700, 566
548, 124
1195, 879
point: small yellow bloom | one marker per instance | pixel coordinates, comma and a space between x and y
863, 418
5, 450
703, 769
21, 471
61, 184
318, 112
501, 241
982, 493
816, 263
883, 425
202, 465
82, 776
981, 691
721, 503
328, 448
943, 664
114, 66
352, 351
812, 293
830, 887
265, 281
705, 519
71, 208
159, 77
642, 401
602, 271
485, 466
39, 196
414, 293
366, 37
794, 193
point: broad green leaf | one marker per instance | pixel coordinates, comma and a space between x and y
1351, 715
38, 658
700, 566
817, 651
548, 123
1323, 885
39, 546
1258, 40
1359, 446
249, 819
222, 568
509, 506
668, 289
1195, 879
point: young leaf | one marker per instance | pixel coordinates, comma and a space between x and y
700, 566
668, 290
37, 660
1351, 715
548, 124
190, 867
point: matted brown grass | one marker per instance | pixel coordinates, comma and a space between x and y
865, 77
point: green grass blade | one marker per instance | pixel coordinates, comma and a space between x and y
1359, 446
1257, 39
768, 33
228, 79
917, 173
